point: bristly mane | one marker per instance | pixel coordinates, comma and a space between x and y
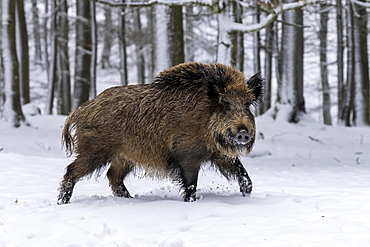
195, 77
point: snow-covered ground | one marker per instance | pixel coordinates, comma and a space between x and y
311, 188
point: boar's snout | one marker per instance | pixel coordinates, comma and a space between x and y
243, 137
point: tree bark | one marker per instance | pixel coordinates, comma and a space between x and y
237, 39
52, 66
107, 38
36, 32
2, 94
94, 50
122, 46
340, 60
83, 54
291, 90
45, 38
160, 43
12, 112
22, 52
64, 78
347, 107
323, 33
224, 39
176, 35
269, 51
139, 48
361, 68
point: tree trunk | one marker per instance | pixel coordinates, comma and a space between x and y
269, 51
2, 95
224, 39
256, 41
45, 38
323, 33
176, 36
83, 53
160, 43
347, 105
64, 78
122, 46
189, 34
22, 52
52, 74
107, 39
139, 49
12, 112
291, 90
237, 39
36, 32
340, 61
361, 68
94, 50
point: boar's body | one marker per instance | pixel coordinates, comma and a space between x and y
191, 114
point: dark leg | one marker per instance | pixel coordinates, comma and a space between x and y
78, 169
116, 174
234, 169
190, 181
244, 180
186, 172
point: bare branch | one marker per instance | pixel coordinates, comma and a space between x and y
362, 4
153, 2
274, 11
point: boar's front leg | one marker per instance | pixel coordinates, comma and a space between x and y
234, 169
185, 171
244, 180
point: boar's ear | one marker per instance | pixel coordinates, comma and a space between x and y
256, 83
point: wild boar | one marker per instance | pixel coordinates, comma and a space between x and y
191, 114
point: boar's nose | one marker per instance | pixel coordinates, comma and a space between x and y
242, 137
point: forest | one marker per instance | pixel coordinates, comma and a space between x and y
55, 52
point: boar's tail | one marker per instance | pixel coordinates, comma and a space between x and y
67, 137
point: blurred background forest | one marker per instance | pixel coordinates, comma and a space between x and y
58, 54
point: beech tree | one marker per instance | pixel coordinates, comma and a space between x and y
323, 33
22, 52
82, 78
168, 37
63, 68
290, 92
122, 45
36, 29
361, 103
12, 112
107, 38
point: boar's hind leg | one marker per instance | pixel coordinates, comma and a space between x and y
78, 169
231, 168
116, 174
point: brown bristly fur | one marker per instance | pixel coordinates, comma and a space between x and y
189, 115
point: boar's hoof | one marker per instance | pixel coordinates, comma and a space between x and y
246, 188
121, 191
66, 191
189, 194
64, 197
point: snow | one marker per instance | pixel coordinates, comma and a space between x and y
311, 188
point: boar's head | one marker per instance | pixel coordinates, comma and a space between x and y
232, 124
